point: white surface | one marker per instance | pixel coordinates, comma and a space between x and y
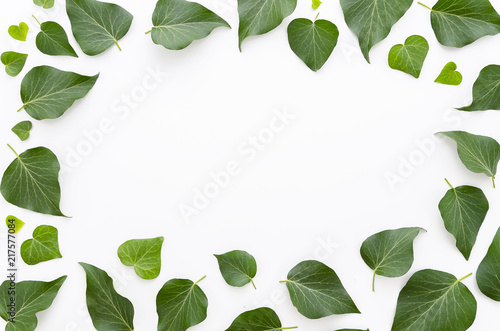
321, 180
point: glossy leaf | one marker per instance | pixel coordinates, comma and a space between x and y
486, 90
14, 223
449, 75
410, 57
14, 62
44, 3
144, 255
22, 130
53, 40
43, 247
260, 319
488, 273
237, 267
19, 32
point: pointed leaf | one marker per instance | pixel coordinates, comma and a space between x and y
316, 4
486, 90
19, 32
260, 319
409, 57
237, 267
14, 223
22, 130
43, 247
14, 62
53, 40
144, 255
449, 75
44, 3
488, 273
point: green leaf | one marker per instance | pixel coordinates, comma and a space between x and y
316, 4
48, 92
31, 297
449, 75
31, 181
97, 25
53, 40
316, 291
486, 90
488, 273
237, 267
109, 310
458, 23
177, 23
14, 223
372, 20
144, 255
410, 57
261, 16
389, 253
260, 319
19, 32
463, 210
14, 62
479, 154
43, 247
312, 42
22, 130
434, 300
180, 304
44, 3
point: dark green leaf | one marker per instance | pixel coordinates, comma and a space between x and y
486, 91
14, 223
43, 247
316, 4
409, 57
44, 3
19, 32
14, 62
237, 267
488, 273
22, 129
53, 40
449, 75
144, 255
260, 319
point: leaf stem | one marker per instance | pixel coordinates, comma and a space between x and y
316, 17
493, 179
284, 281
36, 20
20, 109
373, 280
425, 6
116, 42
449, 183
464, 277
255, 287
290, 327
202, 278
147, 32
12, 149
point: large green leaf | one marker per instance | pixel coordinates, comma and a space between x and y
409, 57
14, 62
53, 40
48, 92
177, 23
180, 304
449, 75
43, 247
22, 129
260, 319
389, 253
312, 42
31, 297
97, 25
237, 267
109, 310
372, 20
434, 300
488, 273
486, 90
19, 32
144, 255
44, 3
31, 181
316, 291
261, 16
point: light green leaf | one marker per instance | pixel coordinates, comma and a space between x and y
434, 300
180, 304
237, 267
44, 3
144, 255
43, 247
19, 32
372, 20
22, 130
409, 57
97, 25
48, 92
316, 291
31, 181
486, 90
389, 253
260, 319
449, 75
14, 62
488, 273
261, 16
316, 4
53, 40
31, 297
177, 23
312, 42
14, 223
109, 310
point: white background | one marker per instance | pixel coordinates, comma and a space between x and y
316, 191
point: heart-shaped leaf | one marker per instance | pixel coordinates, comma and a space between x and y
14, 62
43, 247
22, 130
97, 25
44, 3
409, 57
449, 75
260, 319
486, 90
109, 310
316, 291
312, 42
316, 4
372, 20
14, 223
53, 40
434, 300
488, 273
177, 23
19, 32
144, 255
237, 267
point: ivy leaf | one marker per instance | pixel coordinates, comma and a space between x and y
144, 255
463, 210
389, 253
316, 4
260, 319
19, 32
237, 267
180, 304
488, 273
97, 25
14, 223
312, 42
316, 291
22, 130
109, 310
177, 23
410, 57
372, 20
449, 75
44, 3
31, 181
14, 62
31, 297
479, 154
48, 92
53, 40
486, 90
261, 16
43, 247
434, 300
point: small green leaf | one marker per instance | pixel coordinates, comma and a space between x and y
389, 253
53, 40
488, 273
449, 75
316, 291
22, 130
43, 247
109, 310
14, 62
237, 267
19, 32
410, 57
434, 300
180, 304
316, 4
44, 3
486, 90
312, 42
14, 223
144, 255
260, 319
